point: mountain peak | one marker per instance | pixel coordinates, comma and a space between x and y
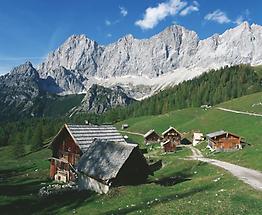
76, 39
244, 25
126, 38
173, 55
23, 68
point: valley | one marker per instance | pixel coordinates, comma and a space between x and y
179, 186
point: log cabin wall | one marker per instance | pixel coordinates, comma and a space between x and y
66, 153
170, 147
52, 169
173, 136
68, 150
154, 137
226, 142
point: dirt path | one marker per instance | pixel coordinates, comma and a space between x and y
135, 133
249, 176
239, 112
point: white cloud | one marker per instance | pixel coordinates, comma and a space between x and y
239, 20
108, 22
191, 8
153, 15
217, 16
123, 11
244, 17
109, 35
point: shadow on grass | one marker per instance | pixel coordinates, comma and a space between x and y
153, 202
6, 174
33, 204
172, 180
20, 195
20, 189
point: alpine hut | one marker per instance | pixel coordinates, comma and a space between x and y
223, 141
108, 163
71, 142
151, 137
173, 135
169, 146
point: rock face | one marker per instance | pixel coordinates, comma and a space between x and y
18, 88
174, 55
129, 67
23, 93
99, 99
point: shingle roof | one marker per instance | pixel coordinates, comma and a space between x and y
84, 135
214, 134
164, 143
104, 159
170, 128
149, 132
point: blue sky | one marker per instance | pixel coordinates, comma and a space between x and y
30, 29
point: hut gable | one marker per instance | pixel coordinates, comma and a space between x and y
224, 141
108, 163
151, 137
173, 135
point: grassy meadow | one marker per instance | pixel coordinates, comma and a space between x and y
179, 187
251, 103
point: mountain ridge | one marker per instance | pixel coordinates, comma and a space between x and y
167, 58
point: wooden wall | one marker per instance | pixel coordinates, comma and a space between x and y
64, 148
173, 136
154, 137
226, 142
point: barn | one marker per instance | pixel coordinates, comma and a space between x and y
107, 163
173, 135
224, 141
71, 142
151, 137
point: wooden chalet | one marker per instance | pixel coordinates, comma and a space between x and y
173, 135
71, 142
151, 137
223, 141
108, 163
169, 146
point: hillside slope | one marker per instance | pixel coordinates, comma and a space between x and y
251, 103
208, 89
197, 119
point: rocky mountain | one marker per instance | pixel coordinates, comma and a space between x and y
18, 89
129, 68
24, 94
99, 99
146, 65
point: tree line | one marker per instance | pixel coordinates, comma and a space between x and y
209, 88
